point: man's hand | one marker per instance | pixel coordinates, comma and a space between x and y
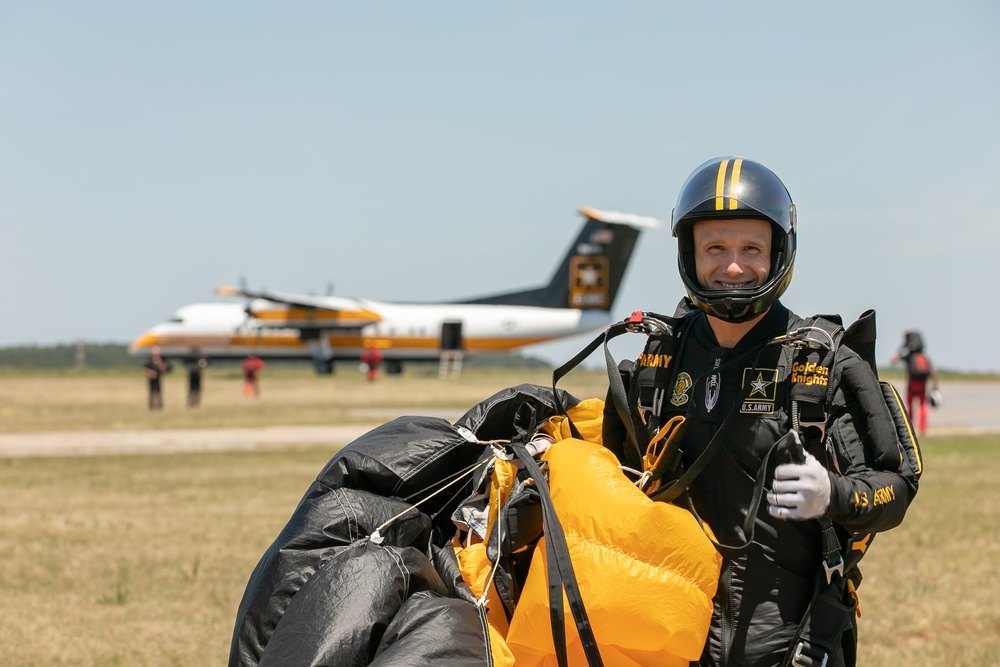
800, 491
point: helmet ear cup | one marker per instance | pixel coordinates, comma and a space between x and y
733, 188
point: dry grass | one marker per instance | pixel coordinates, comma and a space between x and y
112, 400
931, 594
136, 560
142, 560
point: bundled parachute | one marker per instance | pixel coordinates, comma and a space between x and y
425, 542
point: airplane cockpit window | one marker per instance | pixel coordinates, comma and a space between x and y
176, 319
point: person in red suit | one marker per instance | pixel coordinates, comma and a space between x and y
252, 366
371, 358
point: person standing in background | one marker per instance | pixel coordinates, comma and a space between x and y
920, 373
252, 366
154, 370
195, 367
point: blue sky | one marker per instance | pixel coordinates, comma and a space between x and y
420, 151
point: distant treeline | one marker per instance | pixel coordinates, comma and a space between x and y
86, 355
115, 355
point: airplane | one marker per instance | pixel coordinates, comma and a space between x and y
323, 329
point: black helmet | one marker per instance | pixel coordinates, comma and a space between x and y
734, 187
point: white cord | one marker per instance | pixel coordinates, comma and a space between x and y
376, 536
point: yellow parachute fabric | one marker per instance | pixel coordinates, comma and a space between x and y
477, 569
647, 571
587, 416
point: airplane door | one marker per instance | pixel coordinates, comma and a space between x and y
451, 336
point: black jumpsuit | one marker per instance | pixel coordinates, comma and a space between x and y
764, 590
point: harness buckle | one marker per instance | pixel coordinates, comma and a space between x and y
815, 657
818, 425
806, 337
640, 322
653, 408
837, 566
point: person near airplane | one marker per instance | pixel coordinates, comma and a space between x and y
195, 366
251, 367
153, 369
371, 359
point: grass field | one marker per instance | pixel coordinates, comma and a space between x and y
142, 560
113, 400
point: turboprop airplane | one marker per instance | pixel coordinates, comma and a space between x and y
277, 325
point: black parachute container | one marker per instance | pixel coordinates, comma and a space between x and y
359, 575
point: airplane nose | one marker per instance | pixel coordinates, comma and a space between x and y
143, 342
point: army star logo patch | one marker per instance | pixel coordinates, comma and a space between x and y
760, 386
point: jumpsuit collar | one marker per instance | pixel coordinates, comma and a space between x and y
776, 319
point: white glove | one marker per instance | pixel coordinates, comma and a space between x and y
800, 490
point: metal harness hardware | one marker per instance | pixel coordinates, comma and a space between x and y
837, 567
644, 323
802, 659
640, 322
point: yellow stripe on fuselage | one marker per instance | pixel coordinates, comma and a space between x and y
293, 342
316, 315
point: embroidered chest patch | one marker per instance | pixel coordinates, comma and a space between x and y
760, 386
681, 389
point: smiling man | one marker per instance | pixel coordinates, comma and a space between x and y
732, 255
787, 448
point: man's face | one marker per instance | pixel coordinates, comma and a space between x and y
732, 254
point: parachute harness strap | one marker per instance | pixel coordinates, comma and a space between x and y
812, 420
538, 445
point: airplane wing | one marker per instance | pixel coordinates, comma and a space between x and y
283, 309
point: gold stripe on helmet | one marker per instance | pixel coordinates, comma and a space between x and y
734, 182
720, 185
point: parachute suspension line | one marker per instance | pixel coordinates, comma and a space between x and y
447, 481
447, 503
377, 538
642, 476
498, 525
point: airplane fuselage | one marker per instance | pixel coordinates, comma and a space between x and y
405, 332
578, 298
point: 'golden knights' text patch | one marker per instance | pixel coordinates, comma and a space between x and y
810, 373
760, 386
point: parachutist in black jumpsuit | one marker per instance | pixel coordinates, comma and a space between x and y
736, 229
764, 591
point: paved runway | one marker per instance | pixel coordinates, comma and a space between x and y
969, 407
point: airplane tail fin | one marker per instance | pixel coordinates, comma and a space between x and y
591, 270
